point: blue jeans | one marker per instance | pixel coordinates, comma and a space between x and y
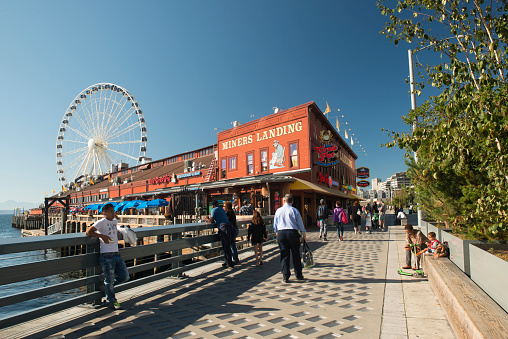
234, 249
113, 264
340, 229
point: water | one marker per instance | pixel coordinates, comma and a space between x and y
7, 232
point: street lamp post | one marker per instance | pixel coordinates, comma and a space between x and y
410, 53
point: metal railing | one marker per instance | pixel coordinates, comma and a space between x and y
55, 228
79, 252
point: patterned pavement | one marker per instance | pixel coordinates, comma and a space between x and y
342, 296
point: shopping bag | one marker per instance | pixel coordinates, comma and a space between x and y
308, 257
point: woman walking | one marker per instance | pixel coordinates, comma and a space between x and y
228, 207
257, 233
338, 214
356, 217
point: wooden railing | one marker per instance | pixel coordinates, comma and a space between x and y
163, 251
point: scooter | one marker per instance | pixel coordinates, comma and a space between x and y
418, 273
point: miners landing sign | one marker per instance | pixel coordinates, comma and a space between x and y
263, 135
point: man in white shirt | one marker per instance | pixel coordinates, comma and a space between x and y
111, 261
288, 224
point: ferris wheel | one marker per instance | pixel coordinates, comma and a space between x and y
102, 126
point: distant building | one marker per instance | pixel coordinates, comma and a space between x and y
375, 183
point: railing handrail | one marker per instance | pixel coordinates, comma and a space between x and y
89, 262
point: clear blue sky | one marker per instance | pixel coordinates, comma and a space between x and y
193, 66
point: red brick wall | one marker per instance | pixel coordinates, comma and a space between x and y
289, 126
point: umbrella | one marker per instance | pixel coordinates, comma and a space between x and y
157, 203
108, 203
131, 204
92, 207
119, 206
142, 205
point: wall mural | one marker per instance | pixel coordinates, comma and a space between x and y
278, 157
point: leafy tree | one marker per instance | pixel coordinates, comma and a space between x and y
461, 135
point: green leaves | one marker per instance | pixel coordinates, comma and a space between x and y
462, 133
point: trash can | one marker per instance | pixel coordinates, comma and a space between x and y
403, 222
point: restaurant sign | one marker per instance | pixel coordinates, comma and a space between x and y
188, 174
362, 172
363, 183
326, 179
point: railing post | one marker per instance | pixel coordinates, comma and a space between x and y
91, 271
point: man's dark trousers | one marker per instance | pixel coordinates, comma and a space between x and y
289, 243
226, 237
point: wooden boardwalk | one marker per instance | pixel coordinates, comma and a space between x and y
343, 296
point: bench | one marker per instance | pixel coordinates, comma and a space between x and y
470, 311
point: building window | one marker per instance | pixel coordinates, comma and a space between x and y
250, 163
188, 156
232, 163
293, 154
264, 161
223, 168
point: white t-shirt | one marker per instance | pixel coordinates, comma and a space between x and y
368, 220
108, 227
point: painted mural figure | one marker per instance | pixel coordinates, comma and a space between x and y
278, 157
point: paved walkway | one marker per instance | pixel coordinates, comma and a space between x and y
353, 290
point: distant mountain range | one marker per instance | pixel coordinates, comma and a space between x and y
10, 205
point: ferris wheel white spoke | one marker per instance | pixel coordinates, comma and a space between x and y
120, 109
90, 115
124, 142
109, 102
118, 124
78, 170
74, 151
72, 163
100, 161
126, 155
125, 130
83, 125
76, 141
78, 132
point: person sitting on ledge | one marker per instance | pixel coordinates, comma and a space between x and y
414, 237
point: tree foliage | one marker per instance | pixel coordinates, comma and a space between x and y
461, 135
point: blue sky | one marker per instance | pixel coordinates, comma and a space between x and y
193, 66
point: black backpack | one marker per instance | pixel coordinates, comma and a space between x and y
322, 212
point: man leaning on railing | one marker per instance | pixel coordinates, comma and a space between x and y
111, 261
226, 233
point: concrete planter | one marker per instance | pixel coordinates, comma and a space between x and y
437, 230
459, 250
423, 227
489, 272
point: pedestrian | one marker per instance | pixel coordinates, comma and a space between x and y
225, 229
338, 216
368, 223
246, 208
260, 209
416, 238
256, 234
356, 217
322, 217
112, 263
288, 226
382, 211
228, 207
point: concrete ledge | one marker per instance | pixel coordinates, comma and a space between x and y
470, 311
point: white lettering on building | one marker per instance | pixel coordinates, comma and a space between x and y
268, 134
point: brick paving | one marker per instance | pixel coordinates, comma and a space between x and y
343, 296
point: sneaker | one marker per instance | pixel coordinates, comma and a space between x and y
285, 280
115, 305
406, 267
260, 262
341, 238
319, 237
325, 239
300, 278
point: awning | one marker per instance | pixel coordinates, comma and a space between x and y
355, 197
301, 184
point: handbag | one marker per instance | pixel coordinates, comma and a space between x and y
358, 212
308, 257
